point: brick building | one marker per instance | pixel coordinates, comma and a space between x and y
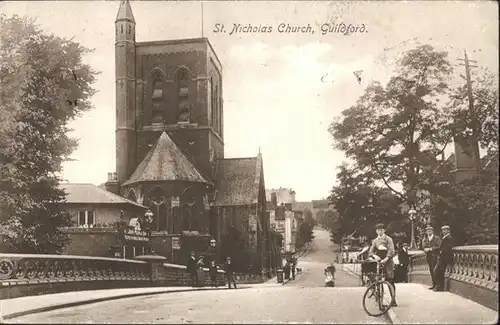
170, 146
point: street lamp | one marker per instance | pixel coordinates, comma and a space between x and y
148, 218
412, 214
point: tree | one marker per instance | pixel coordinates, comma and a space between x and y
396, 133
44, 84
361, 205
305, 232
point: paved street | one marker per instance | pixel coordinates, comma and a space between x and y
304, 300
315, 262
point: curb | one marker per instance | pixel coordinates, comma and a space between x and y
94, 300
391, 315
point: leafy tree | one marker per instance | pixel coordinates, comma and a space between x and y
44, 84
395, 133
361, 205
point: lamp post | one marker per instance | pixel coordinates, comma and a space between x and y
148, 218
412, 213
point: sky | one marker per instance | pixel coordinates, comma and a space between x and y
281, 90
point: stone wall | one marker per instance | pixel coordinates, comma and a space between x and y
91, 242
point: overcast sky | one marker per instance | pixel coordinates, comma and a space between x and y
281, 91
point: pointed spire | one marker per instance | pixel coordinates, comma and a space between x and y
125, 12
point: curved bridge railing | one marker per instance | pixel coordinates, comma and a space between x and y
473, 274
22, 267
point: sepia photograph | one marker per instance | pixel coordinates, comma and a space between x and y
238, 161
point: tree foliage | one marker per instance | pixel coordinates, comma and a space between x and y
394, 133
360, 205
44, 84
305, 232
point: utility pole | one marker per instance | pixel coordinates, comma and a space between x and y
475, 124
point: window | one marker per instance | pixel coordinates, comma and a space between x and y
157, 98
85, 218
183, 96
129, 29
121, 29
157, 203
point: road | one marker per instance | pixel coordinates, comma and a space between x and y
304, 300
321, 254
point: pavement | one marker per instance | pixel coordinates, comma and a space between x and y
419, 305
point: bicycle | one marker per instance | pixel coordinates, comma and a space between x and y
375, 289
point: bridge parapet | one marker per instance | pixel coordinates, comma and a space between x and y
28, 274
473, 275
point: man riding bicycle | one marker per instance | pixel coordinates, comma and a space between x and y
382, 250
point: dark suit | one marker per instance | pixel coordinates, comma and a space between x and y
192, 270
230, 274
445, 258
432, 255
404, 261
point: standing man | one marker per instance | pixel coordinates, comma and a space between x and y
445, 258
192, 269
430, 245
404, 261
382, 249
230, 272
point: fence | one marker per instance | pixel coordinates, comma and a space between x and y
33, 274
473, 275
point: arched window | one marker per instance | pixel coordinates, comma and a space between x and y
183, 96
216, 109
221, 118
131, 196
157, 112
212, 103
157, 204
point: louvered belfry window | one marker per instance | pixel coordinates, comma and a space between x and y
158, 114
183, 96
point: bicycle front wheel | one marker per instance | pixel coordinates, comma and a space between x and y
378, 298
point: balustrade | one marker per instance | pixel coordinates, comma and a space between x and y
475, 265
25, 267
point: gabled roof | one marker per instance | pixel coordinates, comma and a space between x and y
125, 12
165, 162
320, 204
91, 194
301, 206
238, 181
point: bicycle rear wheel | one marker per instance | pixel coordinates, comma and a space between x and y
378, 298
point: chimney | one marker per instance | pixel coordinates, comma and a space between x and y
274, 200
112, 185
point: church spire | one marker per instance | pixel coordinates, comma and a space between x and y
125, 12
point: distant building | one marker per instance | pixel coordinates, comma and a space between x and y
282, 216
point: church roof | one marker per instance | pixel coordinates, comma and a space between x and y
238, 181
165, 162
125, 12
90, 194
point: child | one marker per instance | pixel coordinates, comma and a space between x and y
213, 274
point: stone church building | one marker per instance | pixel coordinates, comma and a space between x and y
170, 147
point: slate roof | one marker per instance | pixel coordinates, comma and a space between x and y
301, 206
125, 11
166, 162
91, 194
237, 181
320, 204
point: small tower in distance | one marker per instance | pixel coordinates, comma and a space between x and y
125, 91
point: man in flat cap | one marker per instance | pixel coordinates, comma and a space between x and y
430, 245
445, 258
383, 248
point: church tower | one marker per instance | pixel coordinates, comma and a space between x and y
125, 47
